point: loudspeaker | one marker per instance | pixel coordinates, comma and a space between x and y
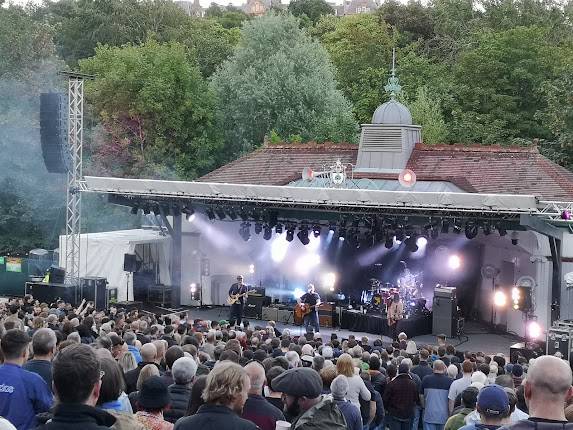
57, 275
285, 316
444, 316
94, 290
270, 314
53, 132
254, 307
129, 263
325, 321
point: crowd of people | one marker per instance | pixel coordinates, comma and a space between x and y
78, 368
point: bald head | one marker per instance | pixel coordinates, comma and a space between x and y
257, 376
148, 352
549, 376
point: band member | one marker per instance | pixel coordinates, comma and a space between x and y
238, 288
312, 299
395, 314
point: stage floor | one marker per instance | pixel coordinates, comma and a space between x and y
476, 337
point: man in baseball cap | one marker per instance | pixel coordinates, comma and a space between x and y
303, 402
492, 406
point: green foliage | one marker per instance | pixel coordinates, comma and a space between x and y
361, 49
498, 86
229, 18
279, 79
426, 111
208, 42
412, 20
83, 24
155, 110
312, 9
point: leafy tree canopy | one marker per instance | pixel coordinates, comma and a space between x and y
313, 9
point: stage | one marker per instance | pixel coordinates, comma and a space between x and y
477, 338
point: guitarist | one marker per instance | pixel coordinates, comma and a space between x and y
238, 288
395, 314
311, 299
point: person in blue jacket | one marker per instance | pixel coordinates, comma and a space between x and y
23, 394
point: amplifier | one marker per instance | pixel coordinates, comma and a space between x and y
270, 314
521, 349
285, 316
325, 321
449, 292
93, 289
560, 340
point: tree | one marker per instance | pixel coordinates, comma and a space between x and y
313, 9
412, 20
208, 42
230, 17
361, 50
279, 79
155, 109
426, 111
498, 85
83, 24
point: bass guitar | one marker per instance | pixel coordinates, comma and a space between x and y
234, 298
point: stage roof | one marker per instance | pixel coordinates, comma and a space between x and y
332, 199
486, 169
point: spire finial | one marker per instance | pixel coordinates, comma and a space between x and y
393, 87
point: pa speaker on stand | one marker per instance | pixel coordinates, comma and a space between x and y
129, 266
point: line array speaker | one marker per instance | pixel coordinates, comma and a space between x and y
53, 132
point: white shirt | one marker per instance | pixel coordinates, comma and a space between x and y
459, 385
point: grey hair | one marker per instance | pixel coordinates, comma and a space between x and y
184, 370
44, 341
339, 387
74, 337
129, 338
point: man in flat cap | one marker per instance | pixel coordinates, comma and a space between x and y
303, 402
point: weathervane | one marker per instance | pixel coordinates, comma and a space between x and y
393, 86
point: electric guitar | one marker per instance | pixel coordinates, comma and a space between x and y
234, 298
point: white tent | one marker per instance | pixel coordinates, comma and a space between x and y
102, 255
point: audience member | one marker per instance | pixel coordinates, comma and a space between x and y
183, 371
459, 385
339, 388
257, 409
152, 400
469, 399
23, 394
356, 387
225, 394
400, 399
148, 355
434, 397
44, 343
301, 388
76, 375
492, 406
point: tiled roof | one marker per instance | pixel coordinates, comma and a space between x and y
474, 168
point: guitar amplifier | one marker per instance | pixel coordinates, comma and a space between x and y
325, 321
270, 314
254, 306
560, 339
285, 316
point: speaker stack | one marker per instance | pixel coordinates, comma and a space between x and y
53, 132
94, 290
445, 312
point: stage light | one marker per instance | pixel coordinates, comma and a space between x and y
389, 241
193, 288
566, 215
190, 217
210, 214
306, 262
328, 280
457, 228
220, 213
279, 249
534, 330
332, 227
290, 233
341, 234
303, 235
501, 229
268, 232
471, 230
258, 228
421, 242
157, 211
499, 299
411, 244
515, 298
278, 228
251, 268
514, 238
297, 293
445, 226
487, 229
400, 235
245, 231
316, 230
146, 210
189, 213
454, 262
134, 210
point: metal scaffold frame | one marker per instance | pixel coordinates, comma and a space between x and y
74, 196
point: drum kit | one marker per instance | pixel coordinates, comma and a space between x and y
380, 295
